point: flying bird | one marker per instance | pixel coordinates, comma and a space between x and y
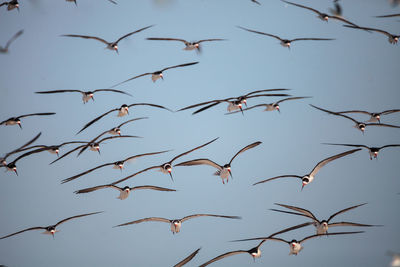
110, 45
188, 45
86, 95
4, 158
123, 191
187, 259
11, 5
373, 151
358, 125
176, 223
15, 36
51, 230
165, 167
308, 178
157, 74
223, 171
17, 120
322, 226
116, 165
374, 116
392, 38
286, 42
322, 16
122, 111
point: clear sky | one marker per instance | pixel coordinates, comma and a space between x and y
358, 70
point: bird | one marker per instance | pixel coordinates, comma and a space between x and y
188, 45
358, 125
322, 16
337, 10
322, 226
223, 171
157, 74
287, 42
388, 16
308, 178
234, 103
15, 36
110, 45
255, 1
392, 38
11, 5
4, 158
187, 259
111, 1
86, 95
165, 167
373, 151
116, 165
271, 106
374, 116
122, 111
17, 120
123, 191
296, 246
94, 146
51, 229
176, 223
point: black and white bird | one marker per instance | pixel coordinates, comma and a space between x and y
3, 159
286, 42
392, 38
224, 171
308, 178
374, 116
234, 103
17, 120
195, 45
15, 36
11, 5
116, 165
86, 95
157, 74
122, 111
321, 15
166, 167
187, 259
111, 1
322, 226
110, 45
373, 151
272, 106
358, 125
123, 191
51, 229
177, 223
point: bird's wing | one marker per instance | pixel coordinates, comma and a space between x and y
290, 229
83, 173
23, 146
37, 114
393, 145
252, 96
151, 105
355, 111
180, 65
118, 136
322, 163
150, 219
94, 188
345, 210
382, 125
227, 254
292, 98
189, 151
350, 224
338, 233
307, 213
312, 39
30, 153
388, 16
203, 103
152, 188
166, 39
112, 90
142, 155
263, 33
210, 40
129, 34
390, 111
32, 228
244, 149
342, 19
306, 7
334, 113
256, 106
277, 177
136, 119
66, 154
59, 91
96, 119
135, 77
187, 259
77, 216
13, 38
294, 213
136, 173
86, 37
209, 215
200, 162
368, 29
206, 107
351, 145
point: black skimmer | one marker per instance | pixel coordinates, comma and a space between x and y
16, 120
116, 165
4, 158
308, 178
110, 45
187, 259
176, 223
374, 116
188, 45
165, 167
358, 125
51, 230
286, 42
392, 38
322, 226
11, 5
86, 95
15, 36
322, 16
157, 74
234, 103
223, 171
373, 151
122, 111
123, 191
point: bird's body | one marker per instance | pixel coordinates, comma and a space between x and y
11, 5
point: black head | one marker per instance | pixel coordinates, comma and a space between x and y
50, 228
226, 166
123, 106
126, 188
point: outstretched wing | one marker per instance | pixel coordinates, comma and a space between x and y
94, 188
187, 259
32, 228
151, 219
179, 66
327, 160
189, 151
244, 149
263, 33
345, 210
86, 37
209, 215
278, 177
129, 34
231, 253
76, 216
200, 162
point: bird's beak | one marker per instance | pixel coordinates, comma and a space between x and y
92, 98
19, 124
240, 107
15, 170
302, 186
116, 50
170, 174
98, 150
278, 109
162, 76
230, 173
57, 154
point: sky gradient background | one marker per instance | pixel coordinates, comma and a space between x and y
356, 71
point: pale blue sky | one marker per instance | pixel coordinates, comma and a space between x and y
358, 70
